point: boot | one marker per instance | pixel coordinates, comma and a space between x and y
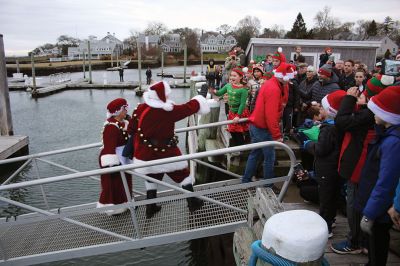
193, 203
153, 208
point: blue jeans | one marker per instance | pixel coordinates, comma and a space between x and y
259, 135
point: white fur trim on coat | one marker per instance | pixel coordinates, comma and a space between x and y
109, 160
150, 185
163, 168
204, 107
111, 212
386, 116
188, 180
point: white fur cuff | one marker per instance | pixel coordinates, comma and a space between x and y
204, 107
163, 168
109, 160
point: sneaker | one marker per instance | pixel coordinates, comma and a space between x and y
344, 248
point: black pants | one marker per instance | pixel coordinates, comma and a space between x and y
329, 190
287, 119
239, 138
379, 244
309, 190
148, 79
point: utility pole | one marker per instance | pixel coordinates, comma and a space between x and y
184, 59
33, 73
201, 56
90, 63
6, 126
84, 65
162, 65
17, 62
139, 68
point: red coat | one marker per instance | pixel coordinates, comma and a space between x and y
269, 107
114, 136
154, 136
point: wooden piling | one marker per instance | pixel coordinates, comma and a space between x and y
90, 62
6, 126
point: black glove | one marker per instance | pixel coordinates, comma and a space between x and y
204, 90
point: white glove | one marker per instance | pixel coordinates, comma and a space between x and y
366, 225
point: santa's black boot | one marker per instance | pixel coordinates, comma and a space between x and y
152, 208
193, 203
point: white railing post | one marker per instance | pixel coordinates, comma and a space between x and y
41, 186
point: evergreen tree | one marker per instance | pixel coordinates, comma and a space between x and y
372, 29
299, 30
387, 25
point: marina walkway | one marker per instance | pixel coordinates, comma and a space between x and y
9, 145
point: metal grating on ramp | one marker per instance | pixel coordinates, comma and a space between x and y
55, 235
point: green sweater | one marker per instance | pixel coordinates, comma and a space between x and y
237, 97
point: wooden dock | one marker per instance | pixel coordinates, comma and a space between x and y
42, 92
10, 145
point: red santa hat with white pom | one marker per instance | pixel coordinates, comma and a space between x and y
285, 71
386, 106
157, 96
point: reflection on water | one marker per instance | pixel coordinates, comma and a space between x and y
73, 118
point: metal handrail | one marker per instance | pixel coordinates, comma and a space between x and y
155, 162
98, 144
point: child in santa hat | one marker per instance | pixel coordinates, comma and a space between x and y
153, 127
237, 98
115, 137
326, 153
380, 174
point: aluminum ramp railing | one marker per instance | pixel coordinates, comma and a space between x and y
84, 230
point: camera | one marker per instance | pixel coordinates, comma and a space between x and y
391, 67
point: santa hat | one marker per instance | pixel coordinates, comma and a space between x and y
386, 106
259, 68
325, 70
331, 102
157, 96
239, 71
285, 71
279, 55
376, 84
116, 106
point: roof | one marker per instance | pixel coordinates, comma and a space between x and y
303, 42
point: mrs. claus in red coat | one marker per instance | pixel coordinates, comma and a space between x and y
153, 124
114, 139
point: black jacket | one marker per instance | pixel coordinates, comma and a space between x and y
326, 150
306, 87
347, 82
327, 86
358, 129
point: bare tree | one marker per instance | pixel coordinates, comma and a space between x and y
155, 28
224, 29
325, 25
250, 24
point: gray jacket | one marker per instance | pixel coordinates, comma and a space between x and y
325, 88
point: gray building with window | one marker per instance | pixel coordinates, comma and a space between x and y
364, 51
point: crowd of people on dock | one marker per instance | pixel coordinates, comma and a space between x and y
345, 118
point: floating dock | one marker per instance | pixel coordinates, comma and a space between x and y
10, 145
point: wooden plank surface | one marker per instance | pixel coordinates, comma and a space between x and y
11, 144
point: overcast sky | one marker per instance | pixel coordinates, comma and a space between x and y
26, 24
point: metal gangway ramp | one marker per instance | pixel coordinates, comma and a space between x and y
84, 230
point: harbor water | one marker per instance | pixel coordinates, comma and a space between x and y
73, 118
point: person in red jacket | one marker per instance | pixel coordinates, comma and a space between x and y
114, 139
264, 121
153, 125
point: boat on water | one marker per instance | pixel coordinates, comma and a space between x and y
124, 66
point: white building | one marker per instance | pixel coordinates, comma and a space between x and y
98, 48
172, 43
216, 43
386, 43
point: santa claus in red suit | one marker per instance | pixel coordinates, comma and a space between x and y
153, 125
114, 139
